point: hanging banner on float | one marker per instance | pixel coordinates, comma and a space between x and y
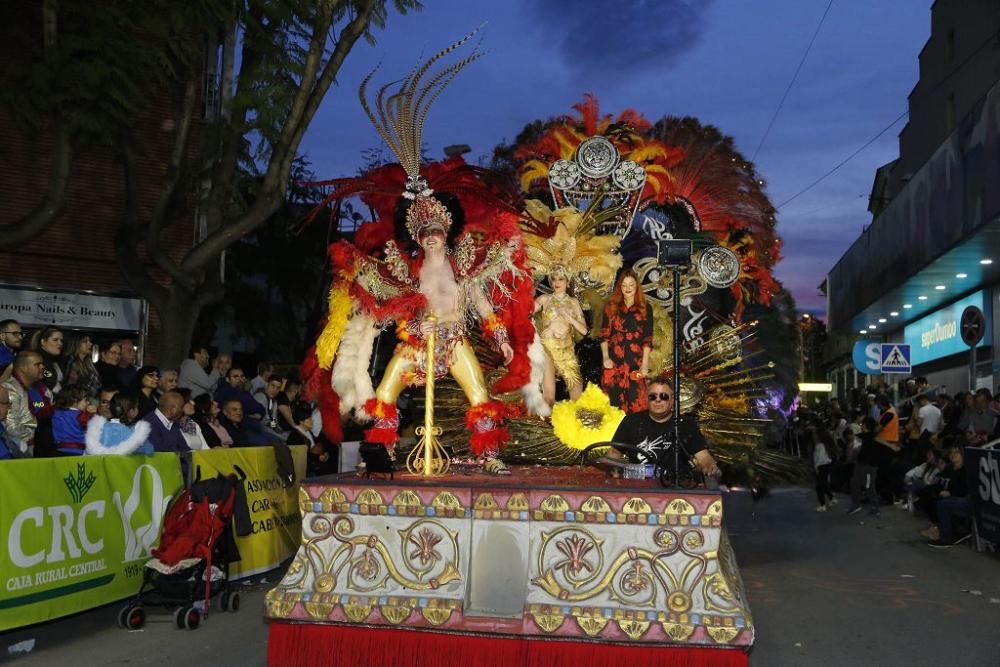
276, 524
78, 531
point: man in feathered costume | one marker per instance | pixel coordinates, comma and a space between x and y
483, 278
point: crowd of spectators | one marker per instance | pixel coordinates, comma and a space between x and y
908, 453
56, 400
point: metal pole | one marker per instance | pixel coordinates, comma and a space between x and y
677, 374
972, 369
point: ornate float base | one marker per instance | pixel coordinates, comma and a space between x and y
464, 568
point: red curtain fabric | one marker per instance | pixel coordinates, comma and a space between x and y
304, 645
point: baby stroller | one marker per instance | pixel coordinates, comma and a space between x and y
191, 565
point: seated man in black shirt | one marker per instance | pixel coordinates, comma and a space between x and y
653, 432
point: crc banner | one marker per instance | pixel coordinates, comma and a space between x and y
65, 309
984, 487
77, 531
276, 523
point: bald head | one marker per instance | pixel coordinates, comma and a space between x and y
171, 405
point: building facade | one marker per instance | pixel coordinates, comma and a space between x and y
933, 247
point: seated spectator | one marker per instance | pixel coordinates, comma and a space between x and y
318, 459
163, 431
69, 421
951, 501
189, 427
232, 389
244, 432
107, 367
11, 339
168, 382
265, 371
104, 402
80, 369
48, 342
206, 413
194, 376
224, 361
8, 448
923, 475
147, 379
121, 433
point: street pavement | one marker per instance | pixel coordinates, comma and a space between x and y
824, 589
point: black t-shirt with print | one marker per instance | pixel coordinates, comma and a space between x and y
642, 431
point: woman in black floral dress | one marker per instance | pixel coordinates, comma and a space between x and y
626, 339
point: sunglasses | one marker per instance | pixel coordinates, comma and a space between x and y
659, 396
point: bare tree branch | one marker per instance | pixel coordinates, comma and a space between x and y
55, 197
127, 233
170, 179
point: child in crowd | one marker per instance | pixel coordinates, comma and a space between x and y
69, 421
121, 434
865, 469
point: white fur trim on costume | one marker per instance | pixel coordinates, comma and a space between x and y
350, 369
532, 391
140, 435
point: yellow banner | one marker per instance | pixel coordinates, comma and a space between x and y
276, 523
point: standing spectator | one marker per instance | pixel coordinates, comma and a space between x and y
981, 422
163, 430
80, 369
168, 382
824, 455
286, 400
147, 379
929, 419
21, 421
189, 427
8, 448
265, 370
269, 400
873, 409
69, 421
107, 367
126, 362
193, 374
48, 342
11, 337
121, 433
104, 402
890, 469
232, 388
865, 470
206, 413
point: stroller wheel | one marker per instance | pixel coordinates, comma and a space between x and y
179, 614
132, 617
230, 602
192, 618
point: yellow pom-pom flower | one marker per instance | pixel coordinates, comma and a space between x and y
589, 419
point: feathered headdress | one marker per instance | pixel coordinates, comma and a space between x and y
559, 243
399, 119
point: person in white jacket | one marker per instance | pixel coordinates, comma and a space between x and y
193, 375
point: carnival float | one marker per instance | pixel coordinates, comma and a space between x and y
529, 304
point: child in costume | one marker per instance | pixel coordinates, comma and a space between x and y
121, 434
69, 421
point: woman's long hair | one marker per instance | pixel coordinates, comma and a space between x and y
43, 334
76, 365
617, 298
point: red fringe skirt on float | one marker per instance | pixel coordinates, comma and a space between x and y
305, 645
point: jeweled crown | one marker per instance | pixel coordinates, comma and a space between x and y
424, 212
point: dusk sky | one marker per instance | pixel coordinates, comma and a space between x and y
726, 62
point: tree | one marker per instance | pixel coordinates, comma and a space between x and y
272, 62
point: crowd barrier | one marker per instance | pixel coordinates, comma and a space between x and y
78, 530
983, 466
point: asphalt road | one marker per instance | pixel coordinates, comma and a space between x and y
825, 589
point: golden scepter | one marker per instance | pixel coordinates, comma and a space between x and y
428, 457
